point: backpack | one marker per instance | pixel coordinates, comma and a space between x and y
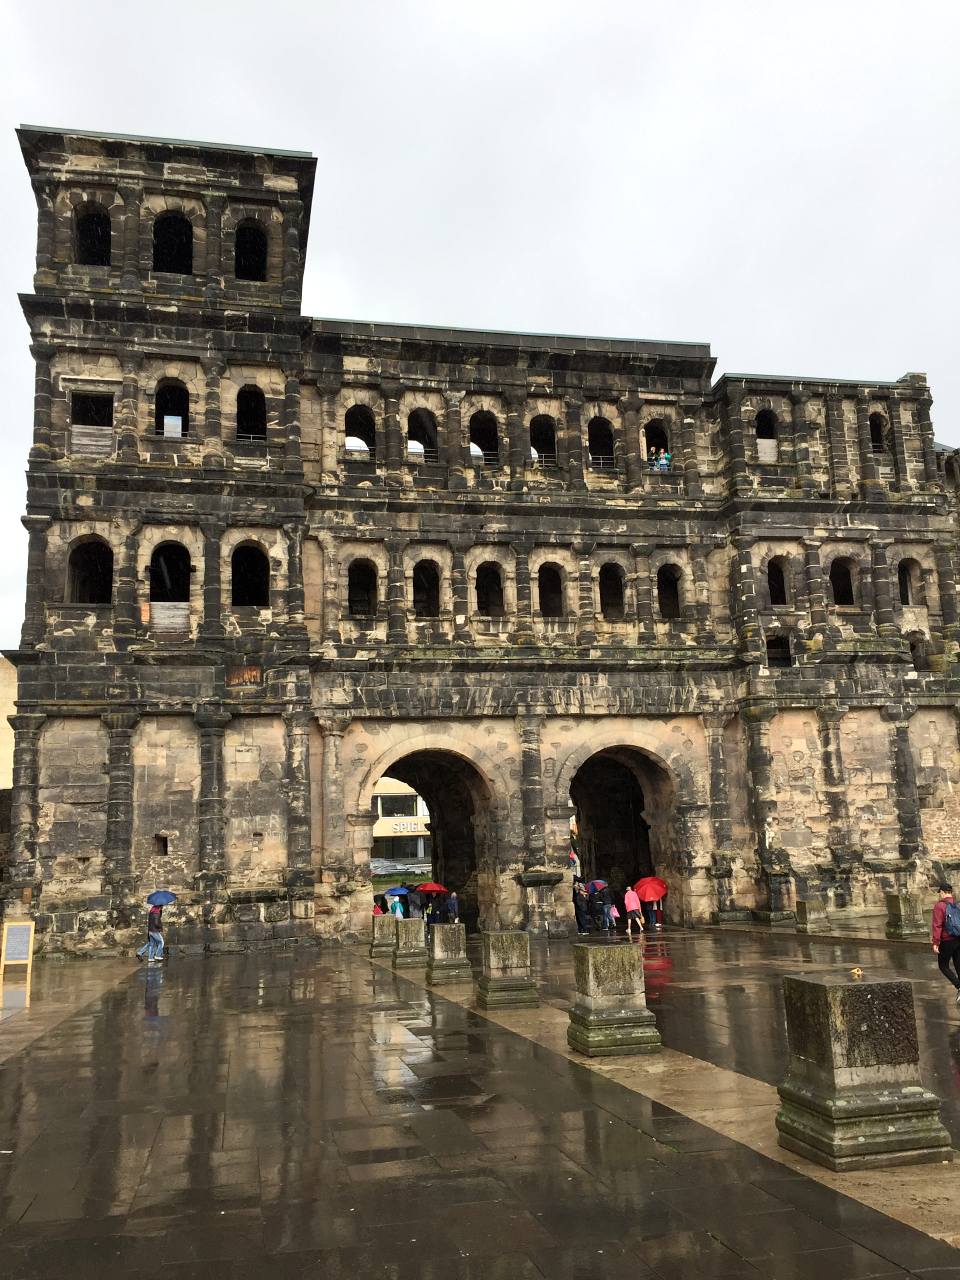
951, 920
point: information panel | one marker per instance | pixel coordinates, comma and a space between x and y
16, 946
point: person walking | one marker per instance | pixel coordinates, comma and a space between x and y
154, 943
631, 904
396, 906
945, 935
453, 907
606, 897
581, 906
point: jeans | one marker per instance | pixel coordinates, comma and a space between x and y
154, 945
649, 914
607, 917
949, 950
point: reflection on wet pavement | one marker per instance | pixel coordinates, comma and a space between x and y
307, 1115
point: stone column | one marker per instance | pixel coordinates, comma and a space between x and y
644, 597
926, 440
701, 588
447, 955
853, 1098
118, 874
505, 979
297, 783
42, 448
518, 439
901, 471
396, 595
25, 874
35, 614
869, 477
630, 407
688, 444
212, 722
392, 431
213, 290
46, 272
774, 863
714, 724
829, 717
524, 629
882, 592
453, 440
837, 437
946, 585
331, 590
801, 440
211, 628
295, 605
293, 460
128, 423
587, 624
573, 441
750, 632
609, 1017
531, 790
814, 576
292, 211
739, 475
461, 596
130, 277
905, 781
334, 856
126, 608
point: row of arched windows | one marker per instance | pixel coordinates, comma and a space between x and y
485, 438
172, 410
172, 243
767, 428
844, 582
90, 574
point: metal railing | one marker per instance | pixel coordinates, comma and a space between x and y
600, 462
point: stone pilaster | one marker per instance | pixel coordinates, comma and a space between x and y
688, 446
42, 448
46, 272
587, 625
331, 591
829, 718
518, 437
701, 591
630, 407
334, 856
212, 721
459, 589
453, 440
869, 477
736, 446
521, 561
531, 791
750, 633
211, 628
773, 860
25, 875
118, 873
947, 590
396, 595
904, 780
392, 431
128, 416
644, 592
572, 439
293, 460
714, 724
130, 276
925, 428
213, 289
899, 450
292, 211
126, 609
814, 580
801, 440
295, 604
35, 614
882, 590
837, 439
297, 782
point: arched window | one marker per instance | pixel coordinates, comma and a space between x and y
362, 589
250, 251
777, 582
170, 574
422, 436
251, 414
249, 577
878, 433
90, 573
550, 591
543, 440
489, 591
611, 591
778, 651
766, 427
484, 439
910, 582
657, 437
172, 409
600, 444
173, 244
426, 589
841, 581
360, 431
91, 227
668, 590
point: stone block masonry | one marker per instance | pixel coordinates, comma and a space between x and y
609, 1016
273, 558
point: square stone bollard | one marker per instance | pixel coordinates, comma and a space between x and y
447, 954
811, 916
610, 1014
409, 951
905, 916
853, 1098
383, 935
506, 982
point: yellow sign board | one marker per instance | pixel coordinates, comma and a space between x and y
16, 946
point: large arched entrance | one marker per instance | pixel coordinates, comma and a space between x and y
624, 804
461, 825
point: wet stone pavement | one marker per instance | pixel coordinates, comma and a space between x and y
309, 1115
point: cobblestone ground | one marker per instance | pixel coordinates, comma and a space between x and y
310, 1115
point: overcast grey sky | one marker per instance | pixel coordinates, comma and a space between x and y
780, 180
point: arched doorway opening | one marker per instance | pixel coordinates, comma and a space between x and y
460, 823
624, 804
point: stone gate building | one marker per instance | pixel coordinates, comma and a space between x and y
273, 559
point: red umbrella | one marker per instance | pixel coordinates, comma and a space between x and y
650, 889
431, 887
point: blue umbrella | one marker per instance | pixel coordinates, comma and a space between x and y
399, 889
161, 898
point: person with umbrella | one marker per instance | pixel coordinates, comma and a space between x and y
396, 905
597, 912
154, 943
632, 906
581, 906
650, 889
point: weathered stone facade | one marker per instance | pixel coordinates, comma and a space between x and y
273, 558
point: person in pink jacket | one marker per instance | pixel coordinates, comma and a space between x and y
631, 904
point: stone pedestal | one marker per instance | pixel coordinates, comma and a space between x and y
853, 1097
383, 936
409, 950
610, 1014
905, 916
505, 982
447, 955
811, 916
538, 885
